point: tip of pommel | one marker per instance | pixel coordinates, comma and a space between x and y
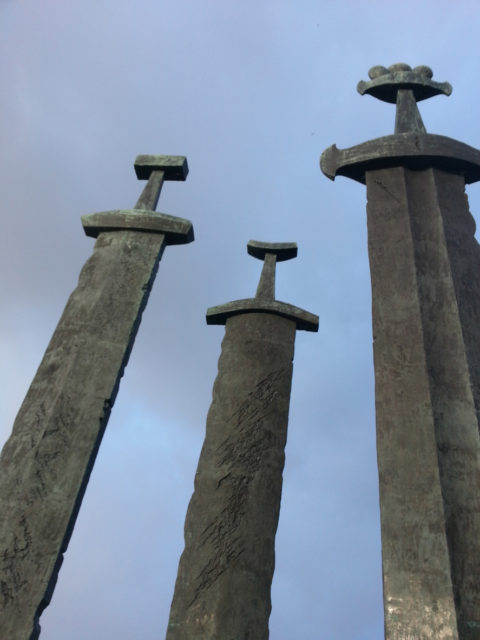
328, 164
384, 83
174, 167
282, 250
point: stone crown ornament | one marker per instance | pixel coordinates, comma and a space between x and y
384, 83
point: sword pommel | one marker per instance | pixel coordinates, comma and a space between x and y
281, 250
384, 83
156, 169
173, 167
271, 253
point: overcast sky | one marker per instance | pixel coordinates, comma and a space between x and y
251, 92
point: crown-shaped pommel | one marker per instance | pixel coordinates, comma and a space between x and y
385, 83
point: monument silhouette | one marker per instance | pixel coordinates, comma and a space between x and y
226, 569
46, 463
425, 273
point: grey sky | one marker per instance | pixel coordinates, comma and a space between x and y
251, 93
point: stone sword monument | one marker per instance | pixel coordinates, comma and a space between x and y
222, 590
46, 463
425, 273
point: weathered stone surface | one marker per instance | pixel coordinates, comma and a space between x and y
464, 255
223, 585
427, 431
455, 389
46, 463
425, 272
59, 427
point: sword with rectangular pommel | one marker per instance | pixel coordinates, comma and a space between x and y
425, 273
226, 569
46, 463
143, 217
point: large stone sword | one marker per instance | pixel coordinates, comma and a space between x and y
46, 463
425, 272
225, 573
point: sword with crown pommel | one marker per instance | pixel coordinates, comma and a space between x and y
425, 273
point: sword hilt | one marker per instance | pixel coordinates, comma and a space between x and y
143, 217
156, 169
270, 253
404, 86
264, 301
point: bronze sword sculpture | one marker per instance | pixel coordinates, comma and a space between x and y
425, 272
225, 573
46, 463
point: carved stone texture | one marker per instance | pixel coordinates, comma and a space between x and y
46, 463
223, 585
427, 430
225, 573
425, 272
